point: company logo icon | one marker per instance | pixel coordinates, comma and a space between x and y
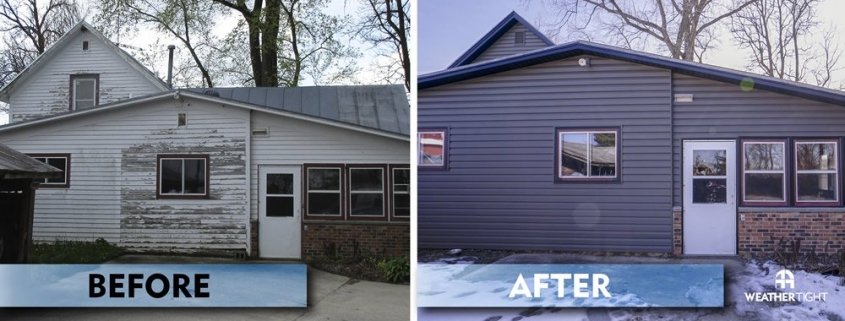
784, 278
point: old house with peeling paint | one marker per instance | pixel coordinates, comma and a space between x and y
269, 172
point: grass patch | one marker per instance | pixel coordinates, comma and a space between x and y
98, 251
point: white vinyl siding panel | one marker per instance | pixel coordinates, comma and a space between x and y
296, 142
46, 91
113, 177
507, 46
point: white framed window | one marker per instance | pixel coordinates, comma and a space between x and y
182, 176
60, 161
816, 172
764, 172
323, 190
366, 191
587, 154
84, 91
401, 192
432, 148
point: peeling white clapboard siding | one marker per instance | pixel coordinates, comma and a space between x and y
113, 177
46, 91
296, 142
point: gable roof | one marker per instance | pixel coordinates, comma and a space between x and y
64, 41
209, 97
14, 164
493, 35
577, 48
380, 107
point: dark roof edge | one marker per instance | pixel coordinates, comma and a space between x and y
494, 34
582, 47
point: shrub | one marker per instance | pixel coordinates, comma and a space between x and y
75, 252
396, 270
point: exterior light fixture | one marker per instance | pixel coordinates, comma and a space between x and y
584, 62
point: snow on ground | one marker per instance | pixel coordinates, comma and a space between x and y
750, 277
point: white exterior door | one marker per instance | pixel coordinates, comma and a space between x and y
279, 226
709, 175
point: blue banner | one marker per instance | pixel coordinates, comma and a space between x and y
153, 285
570, 285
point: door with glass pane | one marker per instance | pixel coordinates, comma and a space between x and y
709, 175
279, 212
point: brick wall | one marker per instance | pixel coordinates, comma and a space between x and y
760, 232
253, 238
348, 239
677, 231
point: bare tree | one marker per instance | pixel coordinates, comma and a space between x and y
778, 35
310, 44
773, 30
262, 20
680, 26
828, 59
189, 21
388, 23
29, 27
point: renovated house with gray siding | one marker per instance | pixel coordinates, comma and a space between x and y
589, 147
268, 172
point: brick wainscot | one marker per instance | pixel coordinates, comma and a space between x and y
760, 229
387, 239
821, 230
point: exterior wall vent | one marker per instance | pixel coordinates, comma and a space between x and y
182, 120
519, 38
683, 98
85, 45
260, 132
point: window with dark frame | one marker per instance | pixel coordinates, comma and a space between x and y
323, 190
431, 148
182, 176
401, 190
84, 91
366, 191
816, 178
60, 161
764, 172
587, 154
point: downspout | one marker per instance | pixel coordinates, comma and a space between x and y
672, 132
248, 186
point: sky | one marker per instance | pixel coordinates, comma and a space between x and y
147, 38
447, 28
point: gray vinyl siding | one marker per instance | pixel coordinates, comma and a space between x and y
505, 46
723, 111
499, 190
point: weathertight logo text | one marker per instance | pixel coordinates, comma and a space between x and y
785, 279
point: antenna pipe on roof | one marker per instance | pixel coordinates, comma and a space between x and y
170, 49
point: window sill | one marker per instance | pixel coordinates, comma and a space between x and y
791, 209
587, 180
54, 186
182, 197
356, 222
